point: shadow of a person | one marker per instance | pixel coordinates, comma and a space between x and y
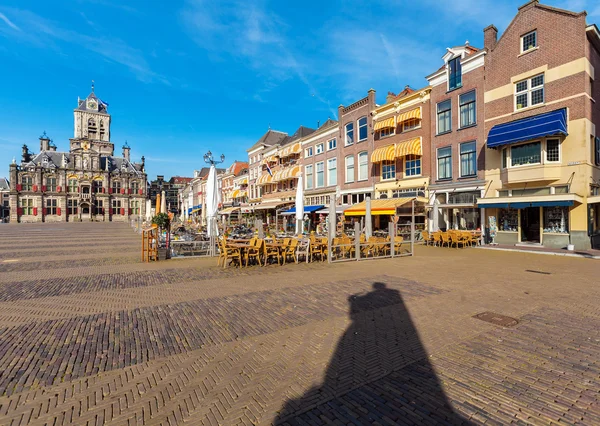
379, 373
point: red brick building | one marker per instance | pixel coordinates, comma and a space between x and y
457, 140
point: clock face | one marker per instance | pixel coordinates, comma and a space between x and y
92, 105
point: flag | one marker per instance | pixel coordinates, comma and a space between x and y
269, 170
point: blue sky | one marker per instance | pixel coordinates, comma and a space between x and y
186, 76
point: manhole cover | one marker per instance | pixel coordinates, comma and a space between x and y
496, 319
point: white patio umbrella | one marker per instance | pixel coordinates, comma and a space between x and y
368, 221
300, 207
212, 202
148, 210
163, 203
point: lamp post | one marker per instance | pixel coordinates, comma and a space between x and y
208, 158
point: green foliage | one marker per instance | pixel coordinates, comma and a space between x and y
161, 220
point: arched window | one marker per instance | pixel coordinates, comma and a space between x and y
102, 130
92, 130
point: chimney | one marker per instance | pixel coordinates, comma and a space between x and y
44, 142
490, 37
371, 97
126, 151
390, 96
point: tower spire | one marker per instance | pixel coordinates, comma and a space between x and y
92, 86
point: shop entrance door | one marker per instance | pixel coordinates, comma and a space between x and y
530, 225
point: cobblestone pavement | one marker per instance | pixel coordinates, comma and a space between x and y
89, 335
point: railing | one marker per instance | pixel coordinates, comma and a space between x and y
86, 196
343, 249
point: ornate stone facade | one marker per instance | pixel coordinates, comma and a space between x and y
87, 183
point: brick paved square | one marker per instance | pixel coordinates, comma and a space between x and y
89, 338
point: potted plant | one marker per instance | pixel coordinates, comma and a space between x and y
162, 222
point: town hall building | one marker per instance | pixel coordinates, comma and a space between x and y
87, 183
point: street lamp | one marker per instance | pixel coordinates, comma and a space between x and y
208, 158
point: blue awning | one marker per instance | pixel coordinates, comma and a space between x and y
524, 205
551, 123
493, 206
307, 209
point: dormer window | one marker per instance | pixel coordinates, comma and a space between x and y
454, 73
528, 41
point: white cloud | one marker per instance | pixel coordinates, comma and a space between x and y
9, 22
46, 33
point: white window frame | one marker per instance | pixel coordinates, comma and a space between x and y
308, 152
386, 132
329, 144
523, 39
418, 126
460, 164
546, 161
542, 154
346, 169
420, 159
306, 174
437, 163
529, 91
332, 177
364, 154
388, 163
366, 126
346, 143
322, 164
319, 148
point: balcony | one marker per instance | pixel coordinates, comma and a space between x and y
536, 173
86, 196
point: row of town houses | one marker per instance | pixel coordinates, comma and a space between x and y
502, 138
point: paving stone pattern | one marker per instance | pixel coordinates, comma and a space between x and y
386, 342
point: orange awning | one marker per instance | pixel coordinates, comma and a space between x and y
378, 207
415, 113
385, 153
384, 124
409, 147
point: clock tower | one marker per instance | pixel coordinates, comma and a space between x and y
92, 125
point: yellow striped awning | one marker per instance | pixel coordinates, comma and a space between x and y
238, 193
277, 175
295, 172
296, 148
285, 151
415, 113
384, 153
410, 147
229, 210
264, 179
378, 207
291, 172
384, 124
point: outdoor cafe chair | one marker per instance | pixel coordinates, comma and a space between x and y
235, 254
445, 239
303, 249
289, 250
437, 238
270, 251
254, 251
476, 238
427, 238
